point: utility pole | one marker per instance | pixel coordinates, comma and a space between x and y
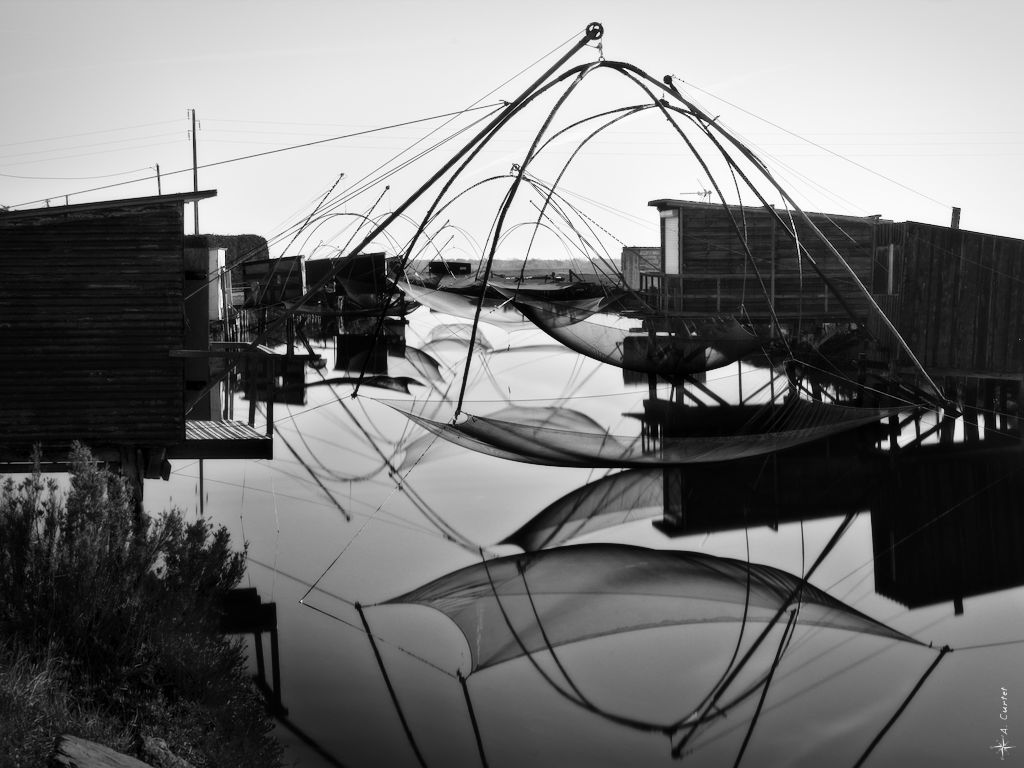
158, 191
195, 171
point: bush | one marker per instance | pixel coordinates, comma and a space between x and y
127, 605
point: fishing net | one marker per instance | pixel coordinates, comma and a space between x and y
512, 606
561, 436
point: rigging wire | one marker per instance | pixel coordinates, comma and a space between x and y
815, 144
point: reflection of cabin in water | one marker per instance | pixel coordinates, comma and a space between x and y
270, 281
952, 294
111, 333
447, 267
945, 519
948, 525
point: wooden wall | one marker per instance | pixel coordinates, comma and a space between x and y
719, 277
637, 259
90, 306
946, 525
961, 303
271, 281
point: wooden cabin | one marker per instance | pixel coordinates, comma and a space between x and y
105, 338
956, 298
744, 261
953, 295
948, 525
270, 281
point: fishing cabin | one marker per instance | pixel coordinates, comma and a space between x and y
704, 266
947, 525
358, 283
112, 333
953, 295
270, 281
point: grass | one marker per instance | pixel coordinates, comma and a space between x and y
108, 627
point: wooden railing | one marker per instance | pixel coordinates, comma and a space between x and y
791, 296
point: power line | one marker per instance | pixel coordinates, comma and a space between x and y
87, 146
89, 154
258, 154
75, 178
88, 133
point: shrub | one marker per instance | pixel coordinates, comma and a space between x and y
128, 605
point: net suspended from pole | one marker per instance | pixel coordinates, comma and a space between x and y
594, 590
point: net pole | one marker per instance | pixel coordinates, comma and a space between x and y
391, 688
472, 719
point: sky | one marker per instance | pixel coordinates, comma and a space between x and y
903, 109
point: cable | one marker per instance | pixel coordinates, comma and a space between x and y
258, 154
87, 133
76, 178
815, 144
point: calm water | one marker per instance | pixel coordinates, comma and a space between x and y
372, 539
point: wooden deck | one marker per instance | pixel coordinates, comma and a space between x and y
222, 440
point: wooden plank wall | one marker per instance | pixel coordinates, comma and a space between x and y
90, 306
945, 525
278, 279
637, 259
961, 299
720, 278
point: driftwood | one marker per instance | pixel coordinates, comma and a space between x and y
73, 752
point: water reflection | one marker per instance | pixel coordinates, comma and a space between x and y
932, 526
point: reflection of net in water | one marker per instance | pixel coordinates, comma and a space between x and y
530, 435
512, 606
498, 311
610, 501
686, 346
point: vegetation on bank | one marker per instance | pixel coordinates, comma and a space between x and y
108, 627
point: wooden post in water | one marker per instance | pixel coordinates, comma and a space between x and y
1019, 390
948, 428
971, 394
243, 613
